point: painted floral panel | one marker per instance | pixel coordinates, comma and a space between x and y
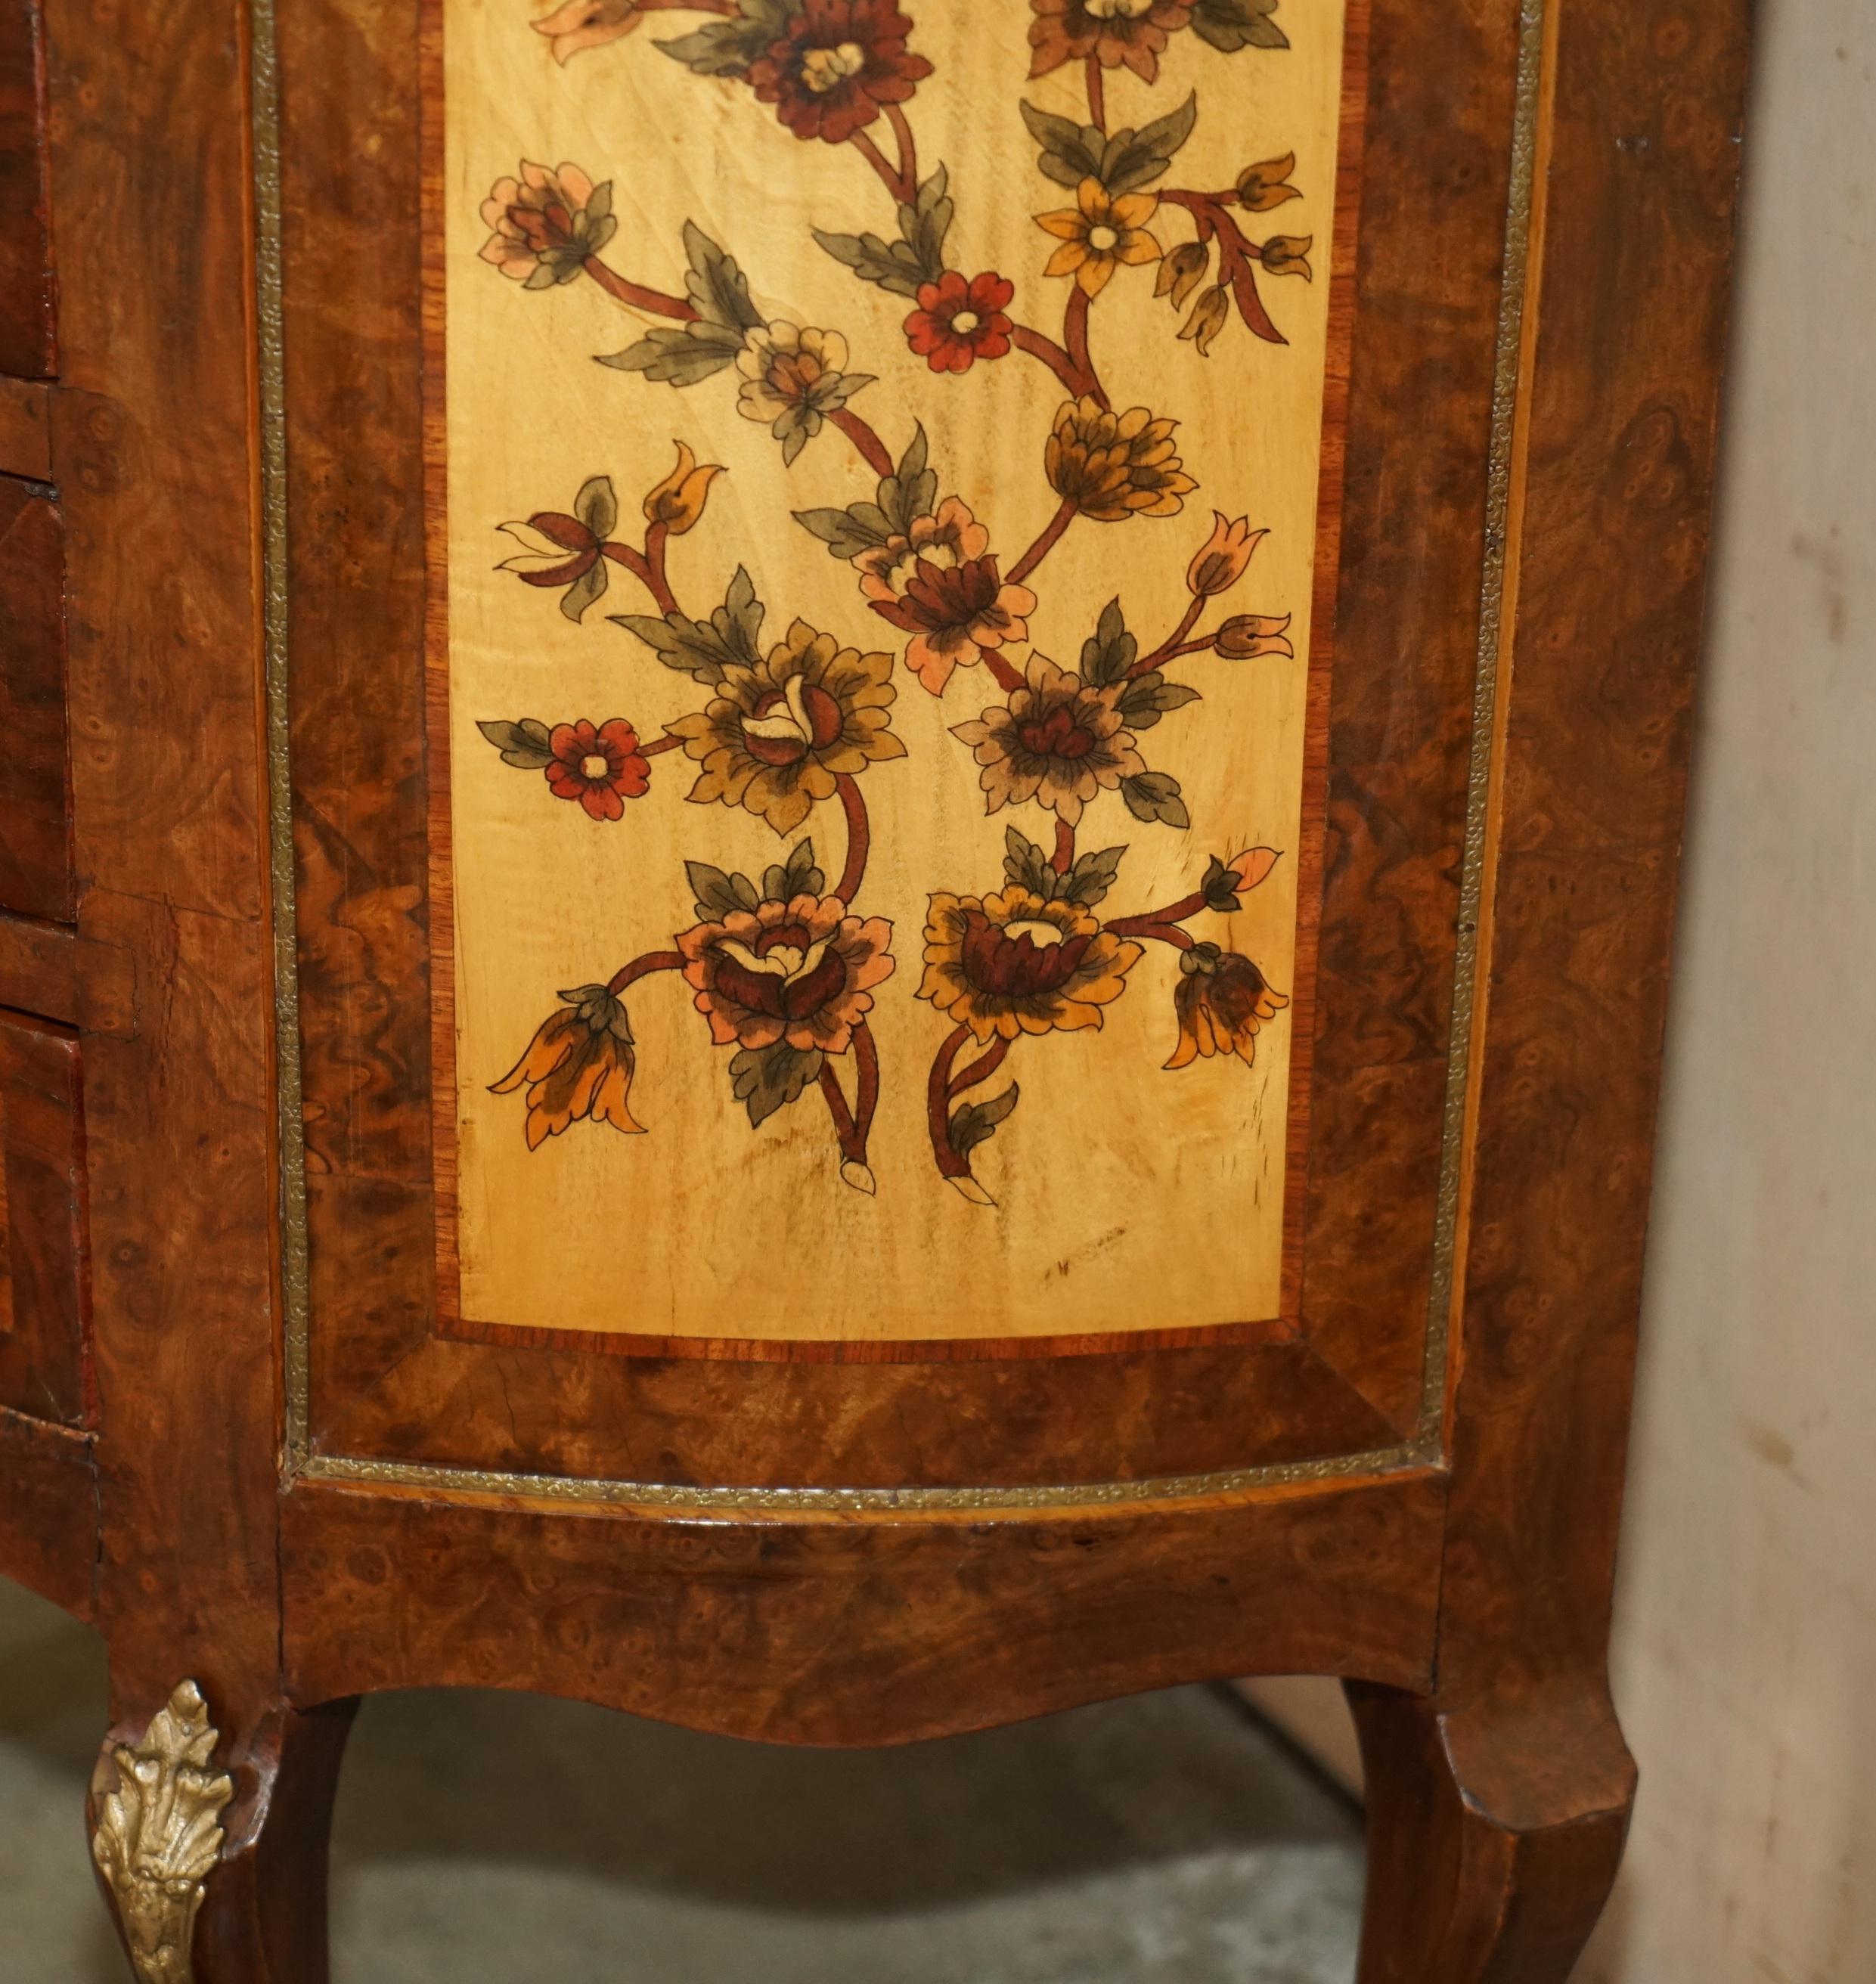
881, 450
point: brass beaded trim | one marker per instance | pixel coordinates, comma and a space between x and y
1424, 1449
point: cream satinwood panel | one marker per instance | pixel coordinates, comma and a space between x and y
1117, 1196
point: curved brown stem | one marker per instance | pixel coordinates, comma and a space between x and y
1097, 94
866, 1067
1160, 933
1007, 678
853, 1145
1075, 338
649, 571
860, 836
1064, 856
1172, 645
654, 540
890, 176
1051, 537
637, 294
908, 150
1025, 338
643, 967
980, 1071
937, 1107
871, 449
1238, 258
663, 744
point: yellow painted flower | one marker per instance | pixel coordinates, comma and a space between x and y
678, 500
775, 738
1222, 1001
1014, 963
1099, 232
579, 1065
1112, 466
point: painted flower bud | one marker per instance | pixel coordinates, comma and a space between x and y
678, 500
1220, 561
1182, 271
1248, 635
1288, 255
1266, 184
1209, 316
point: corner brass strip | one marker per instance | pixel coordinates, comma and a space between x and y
1425, 1449
1487, 681
264, 83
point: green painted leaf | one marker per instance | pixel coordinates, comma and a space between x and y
911, 490
718, 289
589, 586
1147, 698
976, 1122
1232, 24
845, 533
1070, 152
596, 506
1134, 158
1088, 881
679, 354
1154, 795
1111, 652
767, 1079
523, 744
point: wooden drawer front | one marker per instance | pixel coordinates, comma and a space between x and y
41, 1222
36, 836
26, 350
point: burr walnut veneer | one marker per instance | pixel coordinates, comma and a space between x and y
937, 996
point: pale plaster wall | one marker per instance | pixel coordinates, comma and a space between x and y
1746, 1655
1745, 1659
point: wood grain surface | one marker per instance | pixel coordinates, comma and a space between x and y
35, 850
27, 345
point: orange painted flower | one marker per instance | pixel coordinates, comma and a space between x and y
1225, 557
546, 223
579, 1065
678, 500
801, 971
1222, 1001
1133, 31
776, 738
588, 24
1101, 232
1014, 963
938, 582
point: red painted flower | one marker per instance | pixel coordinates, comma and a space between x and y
959, 321
601, 768
839, 61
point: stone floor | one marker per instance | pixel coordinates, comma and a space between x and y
491, 1839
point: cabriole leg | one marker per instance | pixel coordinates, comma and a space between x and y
212, 1850
1494, 1834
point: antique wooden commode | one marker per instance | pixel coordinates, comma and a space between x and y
938, 995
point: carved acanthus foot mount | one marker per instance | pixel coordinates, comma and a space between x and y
158, 1832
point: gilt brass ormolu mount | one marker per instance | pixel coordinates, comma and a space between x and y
159, 1833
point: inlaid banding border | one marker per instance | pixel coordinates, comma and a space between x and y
1424, 1448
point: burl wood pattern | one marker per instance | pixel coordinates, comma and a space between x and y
1470, 1595
26, 291
35, 849
42, 1371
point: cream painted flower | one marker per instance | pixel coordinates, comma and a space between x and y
792, 378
